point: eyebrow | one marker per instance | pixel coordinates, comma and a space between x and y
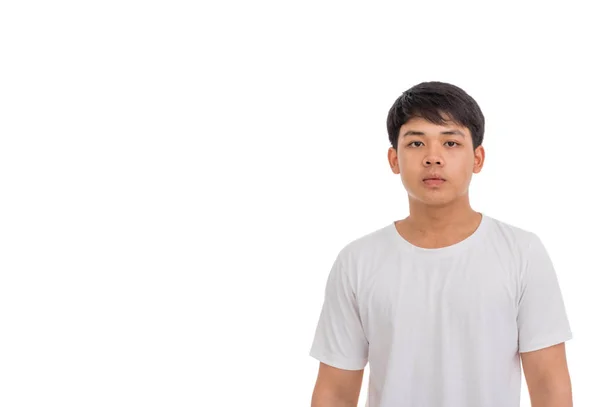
445, 133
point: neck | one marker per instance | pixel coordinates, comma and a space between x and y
438, 219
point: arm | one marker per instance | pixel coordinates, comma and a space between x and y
543, 330
337, 387
340, 342
547, 377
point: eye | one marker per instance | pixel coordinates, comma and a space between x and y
454, 143
413, 142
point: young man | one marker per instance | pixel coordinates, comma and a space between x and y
447, 303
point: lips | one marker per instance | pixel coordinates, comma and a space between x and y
433, 181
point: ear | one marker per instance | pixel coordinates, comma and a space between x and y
393, 160
479, 159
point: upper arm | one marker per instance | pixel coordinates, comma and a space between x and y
336, 384
546, 371
542, 318
543, 329
340, 340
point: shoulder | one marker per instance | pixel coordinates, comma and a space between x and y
363, 254
514, 237
368, 244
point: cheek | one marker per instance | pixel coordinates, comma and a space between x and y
410, 162
469, 164
460, 165
408, 170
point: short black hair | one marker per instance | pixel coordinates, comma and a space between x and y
432, 100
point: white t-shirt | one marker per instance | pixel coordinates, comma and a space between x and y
441, 327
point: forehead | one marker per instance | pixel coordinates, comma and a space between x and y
419, 124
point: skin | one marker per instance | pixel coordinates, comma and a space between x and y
337, 387
547, 374
440, 216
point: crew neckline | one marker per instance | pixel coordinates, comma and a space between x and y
463, 244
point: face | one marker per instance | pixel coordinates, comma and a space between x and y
435, 162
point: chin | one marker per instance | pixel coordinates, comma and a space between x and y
432, 198
436, 201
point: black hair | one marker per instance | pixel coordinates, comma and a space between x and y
432, 100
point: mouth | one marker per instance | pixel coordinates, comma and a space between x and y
433, 181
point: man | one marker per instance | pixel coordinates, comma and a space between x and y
447, 303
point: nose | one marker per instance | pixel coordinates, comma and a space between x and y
432, 159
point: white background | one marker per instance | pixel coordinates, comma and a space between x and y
176, 179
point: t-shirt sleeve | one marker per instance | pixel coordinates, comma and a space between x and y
339, 339
542, 319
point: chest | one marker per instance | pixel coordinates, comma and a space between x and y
446, 296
